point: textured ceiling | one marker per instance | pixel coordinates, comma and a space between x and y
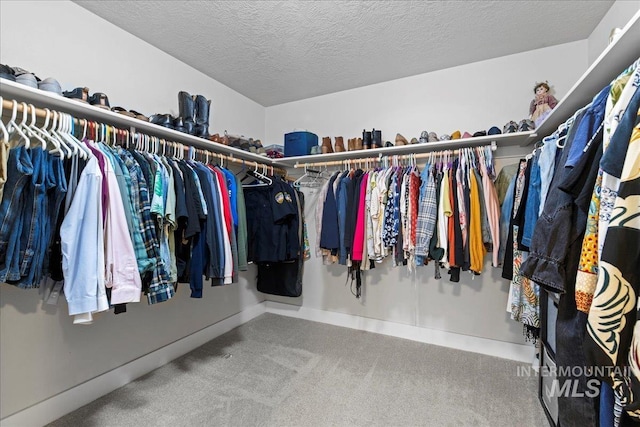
280, 51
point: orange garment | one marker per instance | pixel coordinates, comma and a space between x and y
476, 245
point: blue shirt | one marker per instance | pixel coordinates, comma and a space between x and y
588, 127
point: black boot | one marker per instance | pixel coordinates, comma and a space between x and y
366, 139
203, 106
187, 110
377, 139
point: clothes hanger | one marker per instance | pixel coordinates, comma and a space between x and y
265, 180
3, 129
55, 137
311, 178
83, 149
44, 133
58, 130
57, 144
13, 127
32, 129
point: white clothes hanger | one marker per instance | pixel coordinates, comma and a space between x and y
3, 129
57, 144
65, 130
13, 127
311, 178
31, 129
83, 147
55, 138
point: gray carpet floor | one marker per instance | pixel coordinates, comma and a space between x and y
280, 371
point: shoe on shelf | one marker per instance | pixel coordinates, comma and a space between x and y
7, 73
456, 135
179, 124
445, 137
232, 141
433, 137
339, 145
480, 133
494, 130
78, 94
510, 127
99, 100
122, 111
203, 109
261, 150
139, 116
367, 140
50, 85
27, 79
466, 135
414, 141
388, 144
377, 139
164, 120
424, 137
253, 148
526, 125
326, 145
314, 150
351, 144
401, 140
359, 144
187, 110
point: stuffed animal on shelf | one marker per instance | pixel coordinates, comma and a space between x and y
542, 104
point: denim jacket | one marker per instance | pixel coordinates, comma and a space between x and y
562, 223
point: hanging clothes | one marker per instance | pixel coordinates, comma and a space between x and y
139, 221
555, 248
412, 217
275, 213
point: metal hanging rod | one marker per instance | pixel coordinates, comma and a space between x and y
379, 158
7, 110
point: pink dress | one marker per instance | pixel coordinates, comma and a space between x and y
358, 237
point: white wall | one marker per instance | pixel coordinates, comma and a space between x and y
470, 97
618, 15
41, 352
62, 40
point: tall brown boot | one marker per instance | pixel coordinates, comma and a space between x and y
359, 145
351, 144
326, 145
339, 144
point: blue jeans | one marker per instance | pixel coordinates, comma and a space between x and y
533, 202
19, 169
31, 240
547, 165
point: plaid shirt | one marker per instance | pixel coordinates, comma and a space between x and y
144, 263
160, 288
427, 212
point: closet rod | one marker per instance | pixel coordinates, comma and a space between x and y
7, 110
379, 157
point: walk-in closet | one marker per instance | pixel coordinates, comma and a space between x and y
329, 213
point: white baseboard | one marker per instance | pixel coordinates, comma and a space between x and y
505, 350
61, 404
